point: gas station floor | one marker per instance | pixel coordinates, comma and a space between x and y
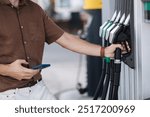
62, 77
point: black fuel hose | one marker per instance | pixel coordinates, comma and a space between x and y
111, 79
117, 71
107, 79
100, 84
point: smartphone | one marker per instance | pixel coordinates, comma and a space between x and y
41, 66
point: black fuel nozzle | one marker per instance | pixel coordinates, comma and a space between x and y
123, 36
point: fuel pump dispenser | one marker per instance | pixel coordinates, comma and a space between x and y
115, 31
146, 10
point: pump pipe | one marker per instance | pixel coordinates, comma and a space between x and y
107, 78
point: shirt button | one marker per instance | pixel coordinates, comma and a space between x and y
25, 42
21, 27
28, 58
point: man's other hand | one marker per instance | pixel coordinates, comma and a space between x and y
17, 71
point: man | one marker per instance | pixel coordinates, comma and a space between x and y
24, 28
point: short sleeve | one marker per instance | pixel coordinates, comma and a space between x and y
52, 31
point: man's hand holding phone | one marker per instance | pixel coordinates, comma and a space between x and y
18, 71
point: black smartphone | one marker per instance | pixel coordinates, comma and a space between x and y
41, 66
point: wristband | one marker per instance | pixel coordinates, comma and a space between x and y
102, 52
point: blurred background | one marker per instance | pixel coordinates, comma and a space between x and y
71, 75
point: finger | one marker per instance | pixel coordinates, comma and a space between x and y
125, 47
118, 46
24, 76
21, 61
27, 77
30, 71
127, 43
128, 46
124, 52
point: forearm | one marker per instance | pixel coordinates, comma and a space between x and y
75, 44
3, 69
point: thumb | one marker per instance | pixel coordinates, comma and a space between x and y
118, 46
21, 61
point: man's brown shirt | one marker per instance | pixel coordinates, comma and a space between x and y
23, 32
